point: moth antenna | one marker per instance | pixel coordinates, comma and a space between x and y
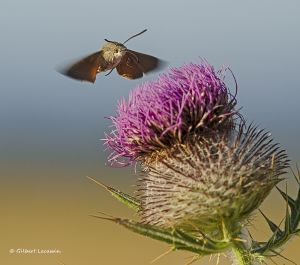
135, 36
109, 41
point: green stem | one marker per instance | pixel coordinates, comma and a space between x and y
240, 255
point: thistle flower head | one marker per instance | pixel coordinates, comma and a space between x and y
189, 99
209, 179
203, 174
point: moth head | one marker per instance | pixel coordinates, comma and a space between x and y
114, 48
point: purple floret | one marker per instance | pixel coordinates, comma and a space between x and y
191, 98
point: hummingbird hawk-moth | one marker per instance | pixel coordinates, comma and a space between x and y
129, 64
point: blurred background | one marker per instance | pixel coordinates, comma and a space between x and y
51, 126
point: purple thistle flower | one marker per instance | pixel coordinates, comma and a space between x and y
158, 114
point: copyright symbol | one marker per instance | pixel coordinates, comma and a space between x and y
11, 251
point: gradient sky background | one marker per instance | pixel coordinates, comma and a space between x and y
51, 125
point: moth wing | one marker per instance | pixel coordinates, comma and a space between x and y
86, 68
147, 62
128, 67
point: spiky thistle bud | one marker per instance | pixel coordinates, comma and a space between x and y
189, 99
210, 179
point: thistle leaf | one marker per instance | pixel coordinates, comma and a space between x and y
275, 228
287, 226
297, 232
291, 223
175, 237
209, 242
292, 203
128, 200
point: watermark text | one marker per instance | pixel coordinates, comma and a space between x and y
28, 251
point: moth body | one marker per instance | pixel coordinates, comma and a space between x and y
112, 53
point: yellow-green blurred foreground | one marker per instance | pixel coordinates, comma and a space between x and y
54, 215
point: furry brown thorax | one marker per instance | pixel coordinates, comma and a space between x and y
113, 53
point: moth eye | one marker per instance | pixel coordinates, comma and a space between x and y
116, 50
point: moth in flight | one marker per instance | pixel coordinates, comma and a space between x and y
129, 64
